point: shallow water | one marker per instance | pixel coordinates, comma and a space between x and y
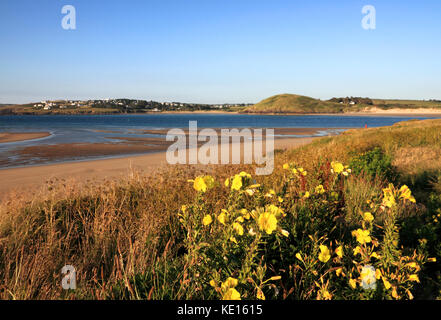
83, 128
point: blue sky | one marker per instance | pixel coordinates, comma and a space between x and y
214, 51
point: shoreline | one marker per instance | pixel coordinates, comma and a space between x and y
38, 177
123, 146
374, 112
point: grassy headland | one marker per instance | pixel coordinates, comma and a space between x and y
314, 229
292, 103
297, 104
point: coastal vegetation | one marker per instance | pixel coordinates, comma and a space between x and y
291, 103
297, 104
356, 216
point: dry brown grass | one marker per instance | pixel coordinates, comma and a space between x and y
414, 159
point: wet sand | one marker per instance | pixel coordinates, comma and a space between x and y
21, 136
277, 131
35, 178
120, 146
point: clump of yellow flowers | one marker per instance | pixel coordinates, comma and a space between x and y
290, 233
203, 183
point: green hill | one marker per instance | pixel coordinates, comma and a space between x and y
293, 103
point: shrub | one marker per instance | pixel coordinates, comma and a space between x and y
373, 163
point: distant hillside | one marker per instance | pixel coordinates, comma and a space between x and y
292, 103
297, 104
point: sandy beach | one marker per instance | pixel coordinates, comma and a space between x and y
145, 141
35, 178
21, 136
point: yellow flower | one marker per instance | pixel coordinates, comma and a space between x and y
276, 211
231, 294
229, 283
306, 195
227, 182
244, 174
389, 197
267, 222
319, 189
213, 283
378, 274
431, 260
286, 166
353, 283
375, 255
337, 167
386, 283
413, 265
339, 271
324, 255
406, 194
238, 228
368, 217
389, 201
299, 256
245, 214
207, 220
233, 239
222, 217
339, 251
414, 277
357, 250
326, 295
260, 294
203, 183
237, 183
394, 293
362, 236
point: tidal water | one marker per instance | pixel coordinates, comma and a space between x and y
83, 128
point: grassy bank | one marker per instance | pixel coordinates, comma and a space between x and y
334, 221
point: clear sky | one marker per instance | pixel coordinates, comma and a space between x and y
219, 51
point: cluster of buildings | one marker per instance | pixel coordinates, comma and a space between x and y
60, 104
127, 105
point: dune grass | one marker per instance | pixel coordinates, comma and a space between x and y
291, 235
